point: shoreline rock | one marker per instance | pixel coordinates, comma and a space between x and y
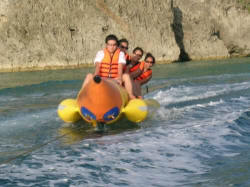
45, 34
88, 65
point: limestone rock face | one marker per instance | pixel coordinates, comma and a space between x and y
211, 29
233, 25
195, 31
38, 34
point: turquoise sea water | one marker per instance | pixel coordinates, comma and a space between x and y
200, 136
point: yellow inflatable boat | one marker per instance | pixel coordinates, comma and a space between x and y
104, 101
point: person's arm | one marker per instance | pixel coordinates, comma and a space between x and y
119, 77
97, 68
144, 81
121, 63
127, 67
98, 59
139, 71
136, 73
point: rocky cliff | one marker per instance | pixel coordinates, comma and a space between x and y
39, 34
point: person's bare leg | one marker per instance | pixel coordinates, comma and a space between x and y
89, 76
137, 89
128, 85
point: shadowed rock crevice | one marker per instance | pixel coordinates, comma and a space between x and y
234, 50
178, 32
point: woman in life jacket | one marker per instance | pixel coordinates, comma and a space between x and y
109, 64
146, 74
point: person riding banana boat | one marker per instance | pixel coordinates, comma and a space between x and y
145, 75
123, 45
109, 64
140, 71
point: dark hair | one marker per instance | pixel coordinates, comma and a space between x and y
122, 40
138, 49
150, 55
111, 37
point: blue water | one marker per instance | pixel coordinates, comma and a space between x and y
200, 136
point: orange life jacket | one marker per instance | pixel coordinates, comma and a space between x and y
109, 65
145, 75
139, 65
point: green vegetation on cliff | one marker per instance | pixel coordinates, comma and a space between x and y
245, 4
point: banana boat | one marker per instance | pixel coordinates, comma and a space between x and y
104, 101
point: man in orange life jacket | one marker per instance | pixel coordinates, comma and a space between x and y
123, 45
134, 67
134, 62
109, 64
146, 74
